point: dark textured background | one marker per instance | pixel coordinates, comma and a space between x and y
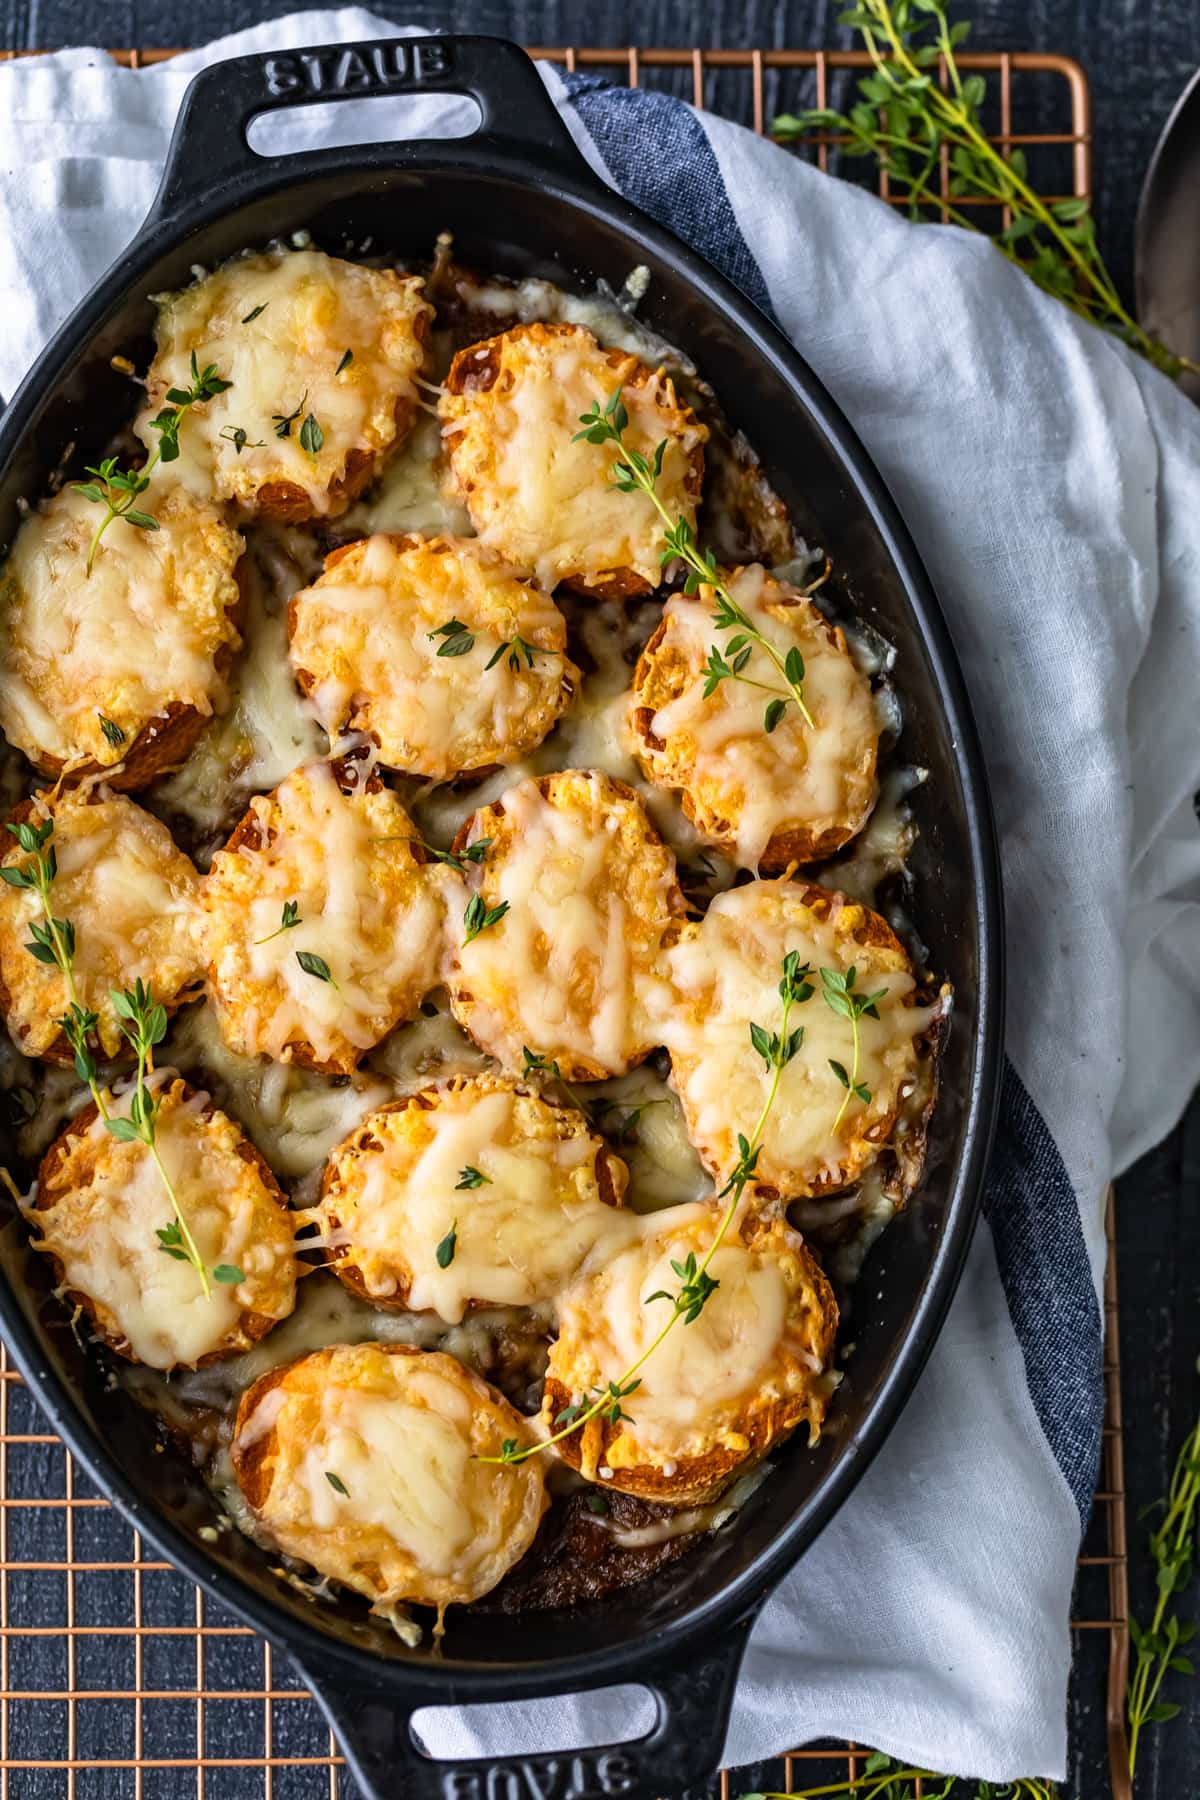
1137, 53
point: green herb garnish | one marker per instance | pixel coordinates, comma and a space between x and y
115, 488
480, 917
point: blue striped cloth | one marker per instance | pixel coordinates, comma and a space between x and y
1049, 479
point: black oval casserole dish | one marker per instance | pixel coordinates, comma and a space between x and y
519, 200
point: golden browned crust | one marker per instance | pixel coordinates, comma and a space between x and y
476, 370
164, 742
291, 505
662, 675
645, 847
611, 1175
362, 1553
251, 1327
761, 1420
347, 772
883, 953
58, 1050
469, 752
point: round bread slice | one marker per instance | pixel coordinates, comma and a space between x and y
583, 898
322, 357
539, 494
473, 1192
133, 901
107, 1225
831, 1115
719, 1392
442, 658
323, 923
759, 782
120, 669
364, 1460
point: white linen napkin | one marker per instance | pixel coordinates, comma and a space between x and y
1050, 481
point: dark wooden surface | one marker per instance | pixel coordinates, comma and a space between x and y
1138, 53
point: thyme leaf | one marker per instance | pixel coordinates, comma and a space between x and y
315, 965
449, 1244
480, 917
289, 917
471, 1177
458, 640
283, 422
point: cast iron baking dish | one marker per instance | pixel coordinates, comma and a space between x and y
519, 200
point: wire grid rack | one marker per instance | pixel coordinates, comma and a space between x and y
118, 1679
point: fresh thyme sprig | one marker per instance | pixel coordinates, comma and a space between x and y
480, 917
457, 640
912, 124
1161, 1646
290, 917
635, 473
837, 991
283, 422
535, 1064
53, 942
471, 1177
883, 1779
516, 648
115, 488
696, 1285
454, 859
144, 1022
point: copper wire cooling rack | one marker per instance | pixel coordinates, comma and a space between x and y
118, 1679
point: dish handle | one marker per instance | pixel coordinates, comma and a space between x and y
683, 1748
209, 151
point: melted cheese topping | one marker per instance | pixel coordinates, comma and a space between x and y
107, 1202
143, 631
726, 972
368, 646
268, 729
763, 1337
133, 899
540, 500
572, 969
399, 1188
309, 310
773, 795
411, 1513
292, 1115
366, 907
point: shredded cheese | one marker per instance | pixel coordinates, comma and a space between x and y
150, 627
108, 1203
759, 791
370, 647
366, 908
510, 1182
726, 974
571, 970
278, 327
541, 500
